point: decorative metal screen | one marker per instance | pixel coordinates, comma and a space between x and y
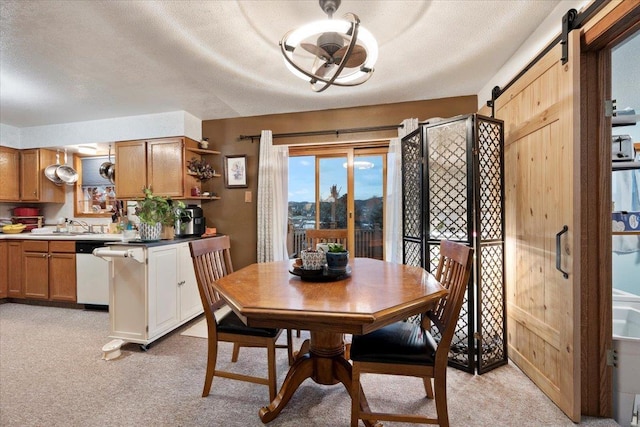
412, 218
453, 170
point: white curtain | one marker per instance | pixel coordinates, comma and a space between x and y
393, 217
273, 174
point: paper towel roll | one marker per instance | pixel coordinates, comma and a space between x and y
137, 253
110, 253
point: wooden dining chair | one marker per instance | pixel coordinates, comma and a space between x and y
406, 348
211, 261
326, 235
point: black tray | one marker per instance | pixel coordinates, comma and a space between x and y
324, 275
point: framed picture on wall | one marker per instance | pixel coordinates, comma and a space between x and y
235, 171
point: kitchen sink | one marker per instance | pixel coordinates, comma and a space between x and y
68, 233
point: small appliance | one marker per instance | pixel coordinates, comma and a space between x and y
192, 224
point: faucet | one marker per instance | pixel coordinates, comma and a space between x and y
83, 224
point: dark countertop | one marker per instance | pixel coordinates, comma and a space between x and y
138, 242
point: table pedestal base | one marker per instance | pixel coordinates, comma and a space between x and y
321, 359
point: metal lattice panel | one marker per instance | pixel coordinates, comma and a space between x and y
490, 164
452, 211
412, 186
491, 296
447, 175
413, 253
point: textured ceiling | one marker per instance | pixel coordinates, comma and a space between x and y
69, 61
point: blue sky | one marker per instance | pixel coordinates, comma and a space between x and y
302, 176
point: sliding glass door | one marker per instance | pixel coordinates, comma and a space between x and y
338, 188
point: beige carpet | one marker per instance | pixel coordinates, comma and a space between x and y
52, 374
198, 329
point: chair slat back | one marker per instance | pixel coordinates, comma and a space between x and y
211, 260
454, 269
327, 235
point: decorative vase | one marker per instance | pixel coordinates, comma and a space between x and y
337, 261
168, 232
312, 260
150, 232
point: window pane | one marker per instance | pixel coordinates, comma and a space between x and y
368, 201
302, 192
333, 192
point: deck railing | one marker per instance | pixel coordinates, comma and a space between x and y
368, 243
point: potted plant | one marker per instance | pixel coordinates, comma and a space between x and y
155, 212
200, 168
337, 257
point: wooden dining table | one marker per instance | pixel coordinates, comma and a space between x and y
374, 294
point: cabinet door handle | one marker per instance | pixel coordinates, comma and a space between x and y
559, 252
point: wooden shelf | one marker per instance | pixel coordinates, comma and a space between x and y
201, 151
203, 197
625, 233
215, 175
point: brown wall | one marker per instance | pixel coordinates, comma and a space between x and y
233, 216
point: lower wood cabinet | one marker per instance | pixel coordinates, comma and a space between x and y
14, 269
4, 270
49, 270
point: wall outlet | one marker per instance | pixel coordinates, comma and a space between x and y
247, 196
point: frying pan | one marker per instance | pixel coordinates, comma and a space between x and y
104, 167
67, 174
111, 173
50, 171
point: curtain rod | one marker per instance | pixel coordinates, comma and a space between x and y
337, 132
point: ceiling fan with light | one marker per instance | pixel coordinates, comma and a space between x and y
331, 52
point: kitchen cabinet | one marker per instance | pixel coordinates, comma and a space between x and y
9, 174
173, 291
14, 269
4, 270
131, 169
34, 185
159, 164
188, 293
152, 293
49, 270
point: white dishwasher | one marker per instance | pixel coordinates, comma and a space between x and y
92, 274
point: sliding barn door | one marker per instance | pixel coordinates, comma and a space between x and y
541, 116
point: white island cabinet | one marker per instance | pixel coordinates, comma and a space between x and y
152, 289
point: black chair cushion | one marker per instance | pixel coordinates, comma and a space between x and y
232, 324
400, 342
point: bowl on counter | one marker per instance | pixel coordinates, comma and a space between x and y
13, 228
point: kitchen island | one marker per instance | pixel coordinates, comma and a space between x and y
153, 290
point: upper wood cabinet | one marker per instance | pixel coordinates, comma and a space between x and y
131, 169
166, 167
34, 185
9, 174
159, 164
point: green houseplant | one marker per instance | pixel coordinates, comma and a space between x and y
337, 257
155, 212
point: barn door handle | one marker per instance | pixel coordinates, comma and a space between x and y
559, 252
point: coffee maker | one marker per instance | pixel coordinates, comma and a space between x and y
193, 223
